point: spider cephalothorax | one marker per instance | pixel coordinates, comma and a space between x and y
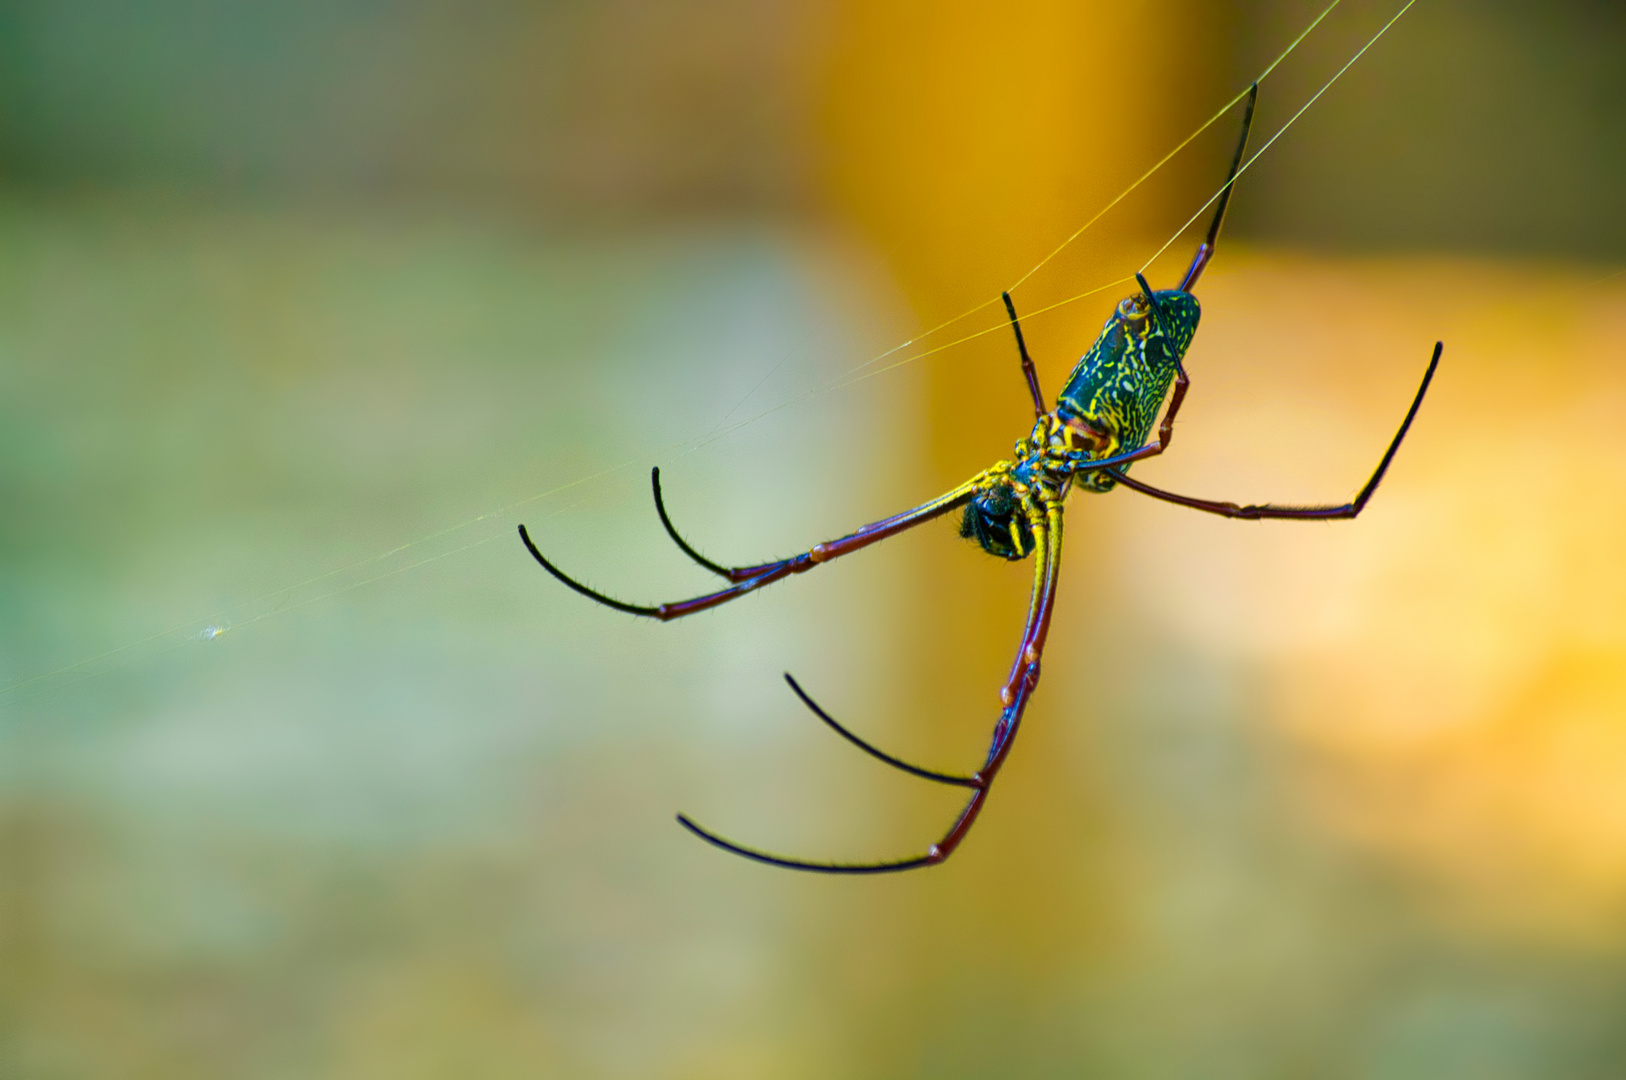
1010, 498
1100, 425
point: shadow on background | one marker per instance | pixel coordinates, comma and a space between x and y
307, 770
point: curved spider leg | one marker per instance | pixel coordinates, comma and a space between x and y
798, 864
875, 752
1018, 688
735, 574
768, 573
671, 530
1028, 369
591, 594
1264, 511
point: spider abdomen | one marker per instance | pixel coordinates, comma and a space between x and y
1119, 385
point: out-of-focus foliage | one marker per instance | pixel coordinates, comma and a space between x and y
1479, 126
549, 110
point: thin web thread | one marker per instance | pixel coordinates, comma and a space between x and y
1282, 130
221, 616
1120, 197
1149, 173
848, 381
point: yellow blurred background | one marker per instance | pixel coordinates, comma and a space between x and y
307, 770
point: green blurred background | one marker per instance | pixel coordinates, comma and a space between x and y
306, 770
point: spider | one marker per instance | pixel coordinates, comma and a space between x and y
1013, 509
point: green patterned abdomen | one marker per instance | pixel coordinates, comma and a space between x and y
1117, 388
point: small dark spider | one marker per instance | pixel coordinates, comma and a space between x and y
1099, 426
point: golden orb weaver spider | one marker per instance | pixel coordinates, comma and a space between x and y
1013, 509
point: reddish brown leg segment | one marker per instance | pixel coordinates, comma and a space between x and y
749, 579
1271, 511
1165, 432
1023, 679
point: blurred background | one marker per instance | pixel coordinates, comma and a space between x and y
306, 770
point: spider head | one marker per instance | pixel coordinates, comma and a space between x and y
996, 521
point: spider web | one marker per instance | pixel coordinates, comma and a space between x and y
428, 548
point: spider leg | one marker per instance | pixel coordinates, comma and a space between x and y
874, 752
735, 574
1028, 369
798, 864
1165, 431
666, 522
753, 578
1157, 308
1024, 677
1205, 250
1301, 513
591, 594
